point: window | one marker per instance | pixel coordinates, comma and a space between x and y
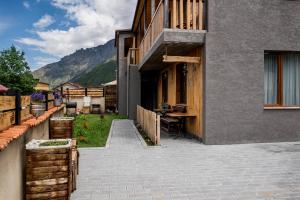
165, 87
181, 82
282, 79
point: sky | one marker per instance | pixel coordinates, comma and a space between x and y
47, 30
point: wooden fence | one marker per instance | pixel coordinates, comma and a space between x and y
15, 109
150, 123
92, 92
110, 96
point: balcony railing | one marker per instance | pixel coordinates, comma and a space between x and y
181, 14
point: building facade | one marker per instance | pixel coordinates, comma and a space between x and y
235, 64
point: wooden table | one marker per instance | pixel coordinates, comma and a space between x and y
162, 110
181, 117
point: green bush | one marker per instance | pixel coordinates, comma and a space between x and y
15, 72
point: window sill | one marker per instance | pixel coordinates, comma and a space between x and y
282, 108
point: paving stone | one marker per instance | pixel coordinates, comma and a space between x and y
185, 169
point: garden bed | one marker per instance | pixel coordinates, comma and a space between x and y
93, 130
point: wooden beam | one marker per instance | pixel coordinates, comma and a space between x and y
166, 13
181, 59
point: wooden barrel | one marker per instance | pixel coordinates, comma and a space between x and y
61, 127
37, 109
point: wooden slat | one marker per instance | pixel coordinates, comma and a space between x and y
174, 14
181, 14
188, 14
47, 195
44, 176
200, 15
25, 101
194, 14
6, 120
7, 103
177, 59
41, 189
25, 113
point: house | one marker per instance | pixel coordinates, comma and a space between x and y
42, 86
68, 85
110, 95
235, 64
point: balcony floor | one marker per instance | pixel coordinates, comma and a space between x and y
173, 42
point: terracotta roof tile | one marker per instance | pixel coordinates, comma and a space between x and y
15, 132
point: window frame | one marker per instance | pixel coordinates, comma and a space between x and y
279, 104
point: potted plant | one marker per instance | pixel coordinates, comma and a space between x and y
37, 104
57, 99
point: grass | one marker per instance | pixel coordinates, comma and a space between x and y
92, 130
54, 143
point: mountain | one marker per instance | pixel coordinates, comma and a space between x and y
74, 65
102, 73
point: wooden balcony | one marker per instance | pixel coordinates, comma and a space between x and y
175, 24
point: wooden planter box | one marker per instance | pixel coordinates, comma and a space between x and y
61, 127
48, 170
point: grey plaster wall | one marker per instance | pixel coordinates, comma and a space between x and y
122, 75
134, 91
239, 31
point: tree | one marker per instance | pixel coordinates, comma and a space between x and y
15, 72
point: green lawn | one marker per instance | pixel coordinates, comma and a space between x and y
92, 131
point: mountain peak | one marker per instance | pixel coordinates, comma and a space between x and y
72, 66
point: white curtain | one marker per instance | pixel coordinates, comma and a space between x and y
291, 80
271, 70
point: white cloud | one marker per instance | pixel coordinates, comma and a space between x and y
44, 22
96, 23
26, 4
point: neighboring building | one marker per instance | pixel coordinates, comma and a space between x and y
41, 86
110, 95
68, 85
128, 77
235, 64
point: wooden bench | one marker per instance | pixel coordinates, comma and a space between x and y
169, 124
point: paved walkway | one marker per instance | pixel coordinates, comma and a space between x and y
184, 169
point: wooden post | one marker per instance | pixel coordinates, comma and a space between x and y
46, 100
68, 95
85, 91
166, 14
18, 109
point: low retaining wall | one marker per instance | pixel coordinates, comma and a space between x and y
12, 154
